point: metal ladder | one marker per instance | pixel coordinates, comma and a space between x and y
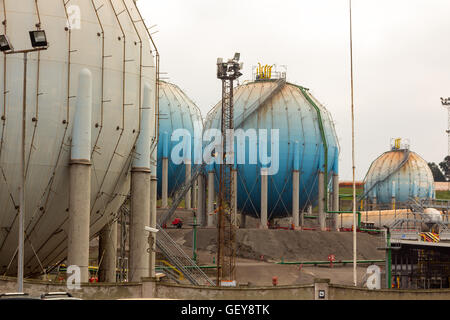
177, 257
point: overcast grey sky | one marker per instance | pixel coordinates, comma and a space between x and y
401, 61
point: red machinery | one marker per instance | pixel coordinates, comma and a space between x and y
177, 222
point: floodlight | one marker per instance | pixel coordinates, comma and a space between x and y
219, 60
237, 56
38, 38
5, 45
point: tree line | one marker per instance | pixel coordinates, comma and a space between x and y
441, 172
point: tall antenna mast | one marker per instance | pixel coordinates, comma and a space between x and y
446, 103
226, 246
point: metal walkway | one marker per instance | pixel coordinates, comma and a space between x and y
417, 209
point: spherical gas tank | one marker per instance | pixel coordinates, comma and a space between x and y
179, 118
399, 174
105, 42
433, 215
279, 128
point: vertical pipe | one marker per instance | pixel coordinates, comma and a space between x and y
153, 216
194, 239
264, 190
388, 260
211, 193
187, 198
80, 178
322, 213
165, 171
107, 253
234, 196
20, 253
153, 210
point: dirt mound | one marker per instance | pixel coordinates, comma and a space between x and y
287, 244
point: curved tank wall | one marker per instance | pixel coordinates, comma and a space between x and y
413, 179
113, 47
177, 111
299, 118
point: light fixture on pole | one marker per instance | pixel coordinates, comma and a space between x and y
38, 42
38, 39
353, 148
5, 45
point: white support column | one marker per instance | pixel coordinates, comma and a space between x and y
393, 195
296, 197
321, 206
165, 183
201, 216
80, 178
187, 198
194, 201
264, 190
374, 203
107, 253
139, 218
335, 200
211, 197
242, 222
140, 196
79, 217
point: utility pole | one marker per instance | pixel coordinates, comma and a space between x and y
353, 149
226, 248
38, 42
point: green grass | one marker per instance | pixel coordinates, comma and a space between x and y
349, 191
444, 195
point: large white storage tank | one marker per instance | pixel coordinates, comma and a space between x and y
111, 40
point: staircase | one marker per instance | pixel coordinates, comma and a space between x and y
401, 164
181, 193
178, 258
279, 84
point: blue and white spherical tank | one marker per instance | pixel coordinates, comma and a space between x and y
177, 112
111, 41
399, 173
307, 142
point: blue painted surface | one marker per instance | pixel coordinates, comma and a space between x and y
176, 111
297, 121
414, 179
